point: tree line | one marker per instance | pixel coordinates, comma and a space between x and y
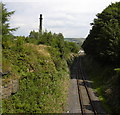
103, 41
47, 38
102, 61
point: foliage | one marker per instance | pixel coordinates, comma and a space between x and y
5, 21
40, 63
105, 82
43, 76
73, 47
117, 71
54, 40
103, 45
103, 42
40, 81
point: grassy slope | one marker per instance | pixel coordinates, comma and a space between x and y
105, 83
44, 79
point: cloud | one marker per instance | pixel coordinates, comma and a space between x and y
70, 17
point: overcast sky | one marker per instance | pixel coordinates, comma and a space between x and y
72, 18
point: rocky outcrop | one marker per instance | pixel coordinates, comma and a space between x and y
9, 87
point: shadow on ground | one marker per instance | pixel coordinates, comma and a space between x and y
75, 73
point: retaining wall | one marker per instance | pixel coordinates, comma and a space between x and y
9, 87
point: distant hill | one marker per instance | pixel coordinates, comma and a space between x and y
77, 40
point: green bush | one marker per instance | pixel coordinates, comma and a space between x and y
40, 63
41, 76
106, 81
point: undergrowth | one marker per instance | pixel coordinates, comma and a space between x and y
105, 82
39, 61
43, 75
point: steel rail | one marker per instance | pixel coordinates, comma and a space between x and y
80, 72
79, 91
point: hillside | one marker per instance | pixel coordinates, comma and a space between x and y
35, 72
43, 80
76, 40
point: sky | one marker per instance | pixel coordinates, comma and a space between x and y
72, 18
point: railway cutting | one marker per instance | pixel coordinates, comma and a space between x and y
82, 98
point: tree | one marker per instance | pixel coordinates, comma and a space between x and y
33, 34
103, 41
6, 30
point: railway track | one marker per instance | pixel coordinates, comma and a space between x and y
86, 104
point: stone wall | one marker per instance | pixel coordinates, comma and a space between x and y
9, 87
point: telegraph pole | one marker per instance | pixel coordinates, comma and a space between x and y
40, 26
